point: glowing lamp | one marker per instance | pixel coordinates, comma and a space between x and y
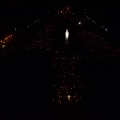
79, 23
68, 97
67, 34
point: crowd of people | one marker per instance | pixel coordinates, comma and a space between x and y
68, 86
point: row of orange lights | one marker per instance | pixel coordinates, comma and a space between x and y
6, 38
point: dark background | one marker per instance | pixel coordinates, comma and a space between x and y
22, 92
19, 13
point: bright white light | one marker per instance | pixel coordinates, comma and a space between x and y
68, 97
67, 34
79, 23
106, 29
3, 46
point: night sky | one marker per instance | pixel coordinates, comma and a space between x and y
20, 12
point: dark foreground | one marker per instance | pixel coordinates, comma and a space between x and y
27, 83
